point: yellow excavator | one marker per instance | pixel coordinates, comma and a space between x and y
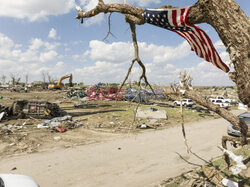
58, 85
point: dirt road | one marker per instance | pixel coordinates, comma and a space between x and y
133, 160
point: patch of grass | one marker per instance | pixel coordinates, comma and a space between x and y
123, 112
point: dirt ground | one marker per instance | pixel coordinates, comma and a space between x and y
103, 147
98, 120
134, 160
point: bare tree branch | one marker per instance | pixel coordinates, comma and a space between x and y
182, 125
134, 13
109, 30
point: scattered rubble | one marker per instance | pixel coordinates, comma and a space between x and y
151, 113
55, 122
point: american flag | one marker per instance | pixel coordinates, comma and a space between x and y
175, 19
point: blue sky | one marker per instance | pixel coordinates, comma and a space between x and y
43, 36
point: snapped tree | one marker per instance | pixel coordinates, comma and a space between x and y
232, 26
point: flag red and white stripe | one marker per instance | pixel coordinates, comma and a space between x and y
175, 19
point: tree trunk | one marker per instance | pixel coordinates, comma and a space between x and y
233, 27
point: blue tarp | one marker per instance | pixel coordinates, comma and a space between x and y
142, 95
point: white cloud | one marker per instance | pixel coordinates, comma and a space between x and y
35, 9
168, 66
5, 42
162, 54
90, 4
53, 34
120, 52
101, 71
207, 74
59, 64
36, 43
225, 57
48, 56
116, 52
94, 20
145, 3
219, 45
36, 57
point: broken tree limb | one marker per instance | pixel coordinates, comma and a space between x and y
109, 29
182, 125
239, 124
136, 58
134, 14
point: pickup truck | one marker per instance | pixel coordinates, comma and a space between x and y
220, 103
224, 100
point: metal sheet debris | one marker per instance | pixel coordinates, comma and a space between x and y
1, 115
55, 122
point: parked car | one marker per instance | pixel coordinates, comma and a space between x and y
231, 130
185, 102
224, 100
15, 180
220, 103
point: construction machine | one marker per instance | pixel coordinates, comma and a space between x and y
58, 85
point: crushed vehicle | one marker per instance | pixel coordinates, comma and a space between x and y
35, 109
232, 130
